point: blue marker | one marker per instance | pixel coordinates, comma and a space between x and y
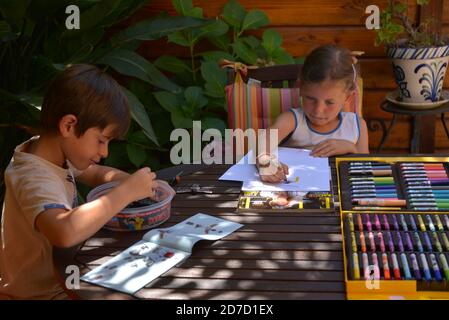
400, 243
425, 267
406, 267
413, 223
415, 267
435, 267
403, 222
395, 222
418, 241
427, 241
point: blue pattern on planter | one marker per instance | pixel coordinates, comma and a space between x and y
431, 80
400, 77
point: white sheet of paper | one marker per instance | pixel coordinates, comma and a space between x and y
313, 173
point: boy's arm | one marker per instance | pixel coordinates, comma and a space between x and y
96, 175
362, 145
66, 228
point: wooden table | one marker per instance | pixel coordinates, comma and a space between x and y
274, 256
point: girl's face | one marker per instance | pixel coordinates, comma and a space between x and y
321, 102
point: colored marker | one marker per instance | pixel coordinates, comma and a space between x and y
412, 222
377, 222
403, 223
376, 172
385, 220
421, 223
445, 241
409, 241
430, 223
437, 242
444, 265
415, 267
405, 267
400, 243
365, 265
390, 241
362, 242
368, 222
377, 208
380, 202
396, 271
353, 242
439, 223
395, 223
356, 269
359, 222
381, 241
435, 267
446, 220
371, 241
376, 266
418, 241
351, 222
425, 266
427, 241
385, 266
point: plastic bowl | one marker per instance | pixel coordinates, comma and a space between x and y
141, 218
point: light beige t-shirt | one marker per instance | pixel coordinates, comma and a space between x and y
33, 185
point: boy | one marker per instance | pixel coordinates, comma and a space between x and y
83, 110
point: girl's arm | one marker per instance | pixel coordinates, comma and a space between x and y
362, 145
96, 175
284, 124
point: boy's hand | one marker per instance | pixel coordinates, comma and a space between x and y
333, 147
140, 184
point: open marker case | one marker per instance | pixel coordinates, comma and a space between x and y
393, 288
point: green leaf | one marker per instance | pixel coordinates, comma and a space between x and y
179, 39
271, 40
157, 28
183, 7
179, 120
244, 52
194, 98
139, 114
255, 19
216, 55
131, 64
136, 154
196, 12
222, 42
215, 78
280, 56
252, 41
213, 123
171, 64
4, 29
13, 11
167, 100
215, 28
117, 157
233, 13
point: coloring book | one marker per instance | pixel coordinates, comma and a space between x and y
158, 251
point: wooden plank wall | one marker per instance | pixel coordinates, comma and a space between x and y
306, 24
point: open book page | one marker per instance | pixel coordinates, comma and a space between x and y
185, 234
135, 267
306, 173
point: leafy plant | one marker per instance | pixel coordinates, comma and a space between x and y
396, 29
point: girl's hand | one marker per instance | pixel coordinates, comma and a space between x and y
272, 171
333, 147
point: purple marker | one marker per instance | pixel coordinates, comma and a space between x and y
377, 222
400, 243
415, 266
368, 222
413, 223
390, 241
395, 223
386, 224
409, 241
427, 241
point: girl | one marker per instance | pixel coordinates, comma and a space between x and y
327, 81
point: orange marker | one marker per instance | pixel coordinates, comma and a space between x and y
386, 266
362, 242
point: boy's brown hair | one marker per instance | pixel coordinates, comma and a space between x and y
91, 95
330, 62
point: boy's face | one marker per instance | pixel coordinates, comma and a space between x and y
321, 102
89, 148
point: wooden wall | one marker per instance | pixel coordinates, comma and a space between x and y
306, 24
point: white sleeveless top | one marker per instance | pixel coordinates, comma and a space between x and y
305, 136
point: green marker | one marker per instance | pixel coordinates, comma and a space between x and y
445, 266
445, 240
437, 242
439, 223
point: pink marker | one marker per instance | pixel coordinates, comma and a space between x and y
377, 222
371, 241
381, 240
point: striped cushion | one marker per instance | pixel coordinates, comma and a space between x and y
251, 106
